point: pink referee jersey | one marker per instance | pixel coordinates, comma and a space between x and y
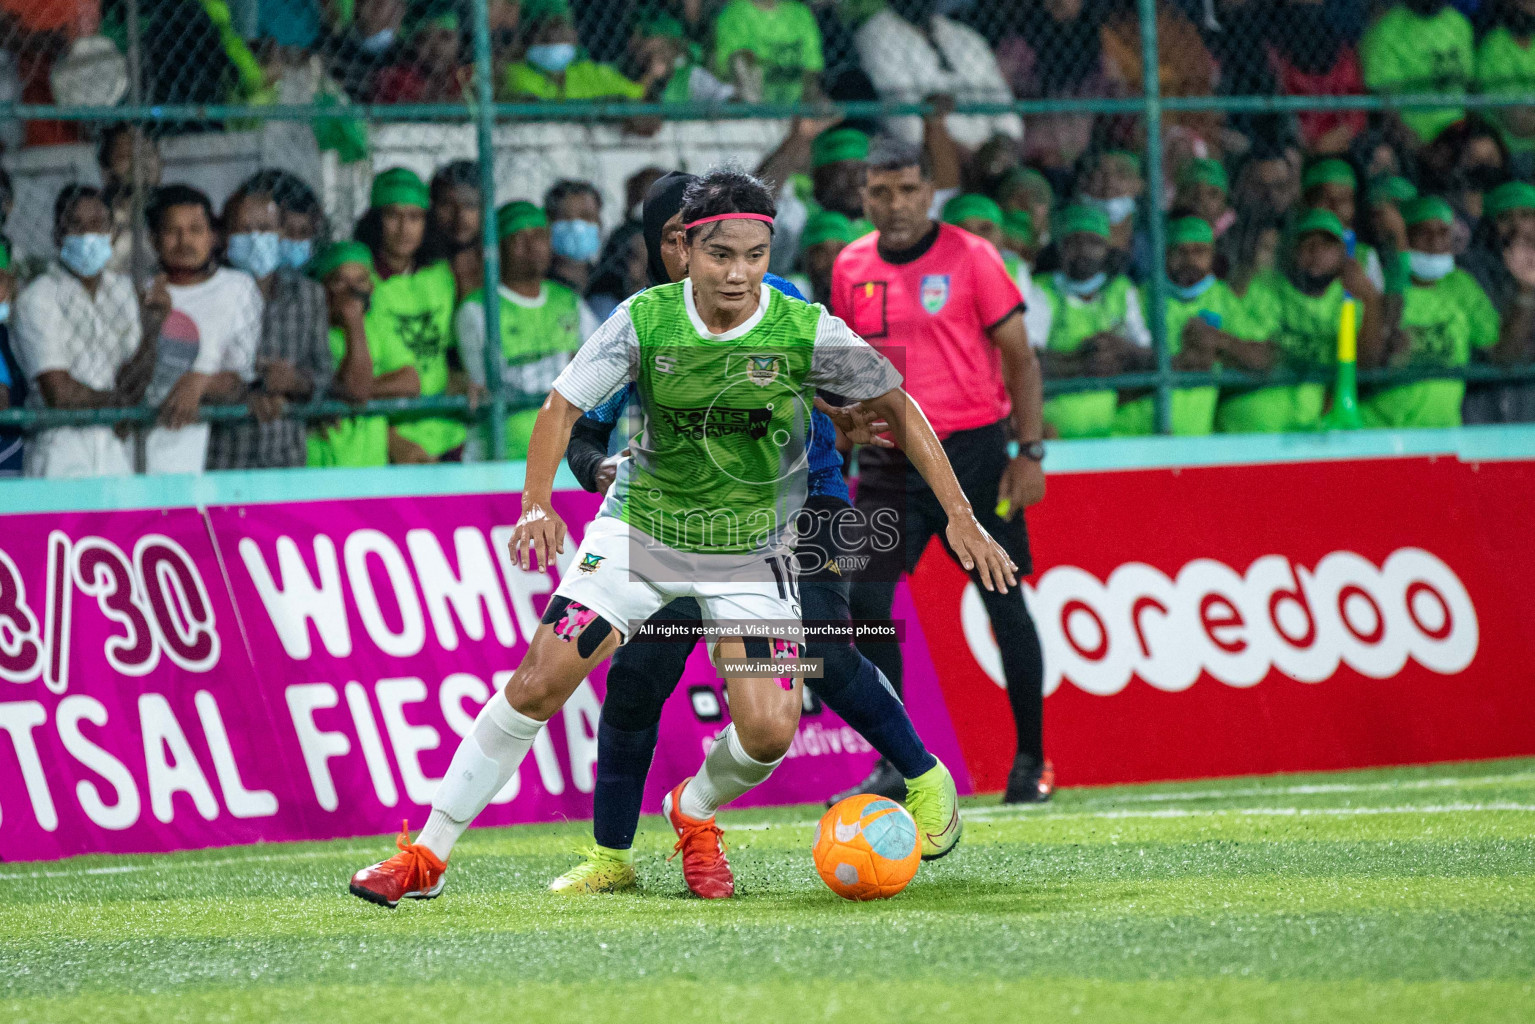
930, 316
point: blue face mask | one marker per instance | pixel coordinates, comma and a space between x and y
1430, 266
1350, 242
378, 42
576, 240
1082, 289
1194, 290
86, 255
1117, 210
295, 252
552, 57
5, 312
257, 252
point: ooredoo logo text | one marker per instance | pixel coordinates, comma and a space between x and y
1239, 626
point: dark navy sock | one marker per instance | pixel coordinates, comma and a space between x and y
858, 692
623, 761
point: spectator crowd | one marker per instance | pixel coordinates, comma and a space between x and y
1424, 220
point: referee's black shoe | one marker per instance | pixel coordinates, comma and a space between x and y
1030, 782
884, 781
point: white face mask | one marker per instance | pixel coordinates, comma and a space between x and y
379, 41
1430, 266
1118, 210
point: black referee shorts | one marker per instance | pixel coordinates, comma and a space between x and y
901, 513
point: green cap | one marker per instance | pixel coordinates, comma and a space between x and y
444, 19
338, 254
1329, 172
1190, 229
534, 11
1392, 188
972, 204
1425, 208
839, 144
826, 226
399, 187
1319, 220
1205, 172
1511, 195
660, 23
1029, 178
1080, 220
519, 215
1019, 224
5, 254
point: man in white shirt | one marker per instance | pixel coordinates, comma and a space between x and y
207, 345
79, 341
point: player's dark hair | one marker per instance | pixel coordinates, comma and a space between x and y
168, 196
565, 188
725, 190
891, 154
451, 175
288, 190
67, 198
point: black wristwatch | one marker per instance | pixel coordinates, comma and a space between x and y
1033, 450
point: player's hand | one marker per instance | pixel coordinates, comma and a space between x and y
607, 471
180, 406
538, 536
979, 553
1355, 280
267, 407
861, 424
1022, 485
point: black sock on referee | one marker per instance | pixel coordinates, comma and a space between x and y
1023, 666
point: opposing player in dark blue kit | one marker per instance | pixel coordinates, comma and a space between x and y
642, 676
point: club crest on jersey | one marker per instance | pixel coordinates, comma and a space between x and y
762, 370
589, 562
935, 292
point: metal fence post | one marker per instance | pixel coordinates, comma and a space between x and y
485, 124
1156, 312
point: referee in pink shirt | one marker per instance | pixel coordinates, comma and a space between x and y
938, 301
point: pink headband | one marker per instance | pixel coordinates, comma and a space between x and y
764, 218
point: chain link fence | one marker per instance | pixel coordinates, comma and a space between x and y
1038, 104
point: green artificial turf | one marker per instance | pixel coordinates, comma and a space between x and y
1403, 895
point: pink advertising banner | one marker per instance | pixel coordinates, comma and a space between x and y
191, 678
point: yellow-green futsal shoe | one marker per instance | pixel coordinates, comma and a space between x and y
601, 871
934, 804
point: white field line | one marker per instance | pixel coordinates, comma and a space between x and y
973, 814
1313, 789
1003, 813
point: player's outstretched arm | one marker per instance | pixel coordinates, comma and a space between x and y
974, 546
540, 532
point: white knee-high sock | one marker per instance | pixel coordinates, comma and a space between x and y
728, 772
484, 762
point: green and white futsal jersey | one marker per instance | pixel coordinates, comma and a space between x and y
719, 465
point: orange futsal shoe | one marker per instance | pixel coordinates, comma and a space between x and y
704, 867
414, 873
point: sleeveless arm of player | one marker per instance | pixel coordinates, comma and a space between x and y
845, 364
605, 362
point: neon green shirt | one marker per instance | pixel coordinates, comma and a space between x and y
418, 310
1193, 408
1505, 65
720, 463
360, 440
1072, 322
584, 80
784, 38
538, 337
1444, 321
1404, 53
1305, 327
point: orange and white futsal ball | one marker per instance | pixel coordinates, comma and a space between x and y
866, 848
